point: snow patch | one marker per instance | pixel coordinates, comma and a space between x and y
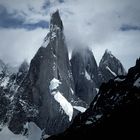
54, 84
72, 91
66, 106
119, 71
94, 103
34, 131
46, 136
54, 55
80, 108
54, 29
5, 82
98, 116
109, 52
113, 73
137, 83
87, 75
119, 80
26, 125
97, 90
82, 73
6, 134
88, 122
53, 35
45, 43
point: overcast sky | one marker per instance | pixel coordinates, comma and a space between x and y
99, 24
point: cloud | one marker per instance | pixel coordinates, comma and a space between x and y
48, 4
125, 46
9, 19
12, 20
32, 10
99, 24
21, 5
129, 27
20, 44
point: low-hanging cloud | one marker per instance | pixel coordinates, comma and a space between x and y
20, 44
97, 24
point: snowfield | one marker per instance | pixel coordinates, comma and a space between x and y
80, 108
34, 133
66, 106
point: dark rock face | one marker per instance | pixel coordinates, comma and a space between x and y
115, 110
4, 104
85, 74
22, 72
110, 67
48, 82
9, 84
88, 76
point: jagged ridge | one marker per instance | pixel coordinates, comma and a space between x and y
114, 111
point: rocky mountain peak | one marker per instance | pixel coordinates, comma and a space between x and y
56, 20
107, 56
24, 66
110, 66
52, 91
85, 72
85, 53
56, 31
46, 96
108, 53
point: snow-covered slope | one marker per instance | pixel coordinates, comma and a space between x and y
34, 133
